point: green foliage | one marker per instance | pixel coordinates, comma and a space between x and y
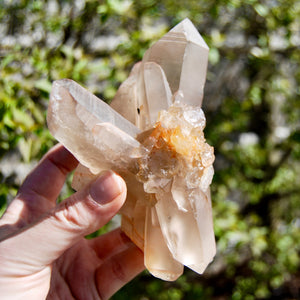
251, 103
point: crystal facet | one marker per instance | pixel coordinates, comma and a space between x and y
160, 150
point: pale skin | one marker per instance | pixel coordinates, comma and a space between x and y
43, 250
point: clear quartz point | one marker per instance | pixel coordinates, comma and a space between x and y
158, 258
182, 54
152, 135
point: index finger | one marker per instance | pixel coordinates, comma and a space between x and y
48, 177
41, 188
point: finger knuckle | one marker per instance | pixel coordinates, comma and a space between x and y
72, 216
118, 270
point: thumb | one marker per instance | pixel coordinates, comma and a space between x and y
79, 215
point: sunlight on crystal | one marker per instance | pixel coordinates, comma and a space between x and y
152, 135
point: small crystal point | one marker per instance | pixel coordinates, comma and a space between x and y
125, 100
158, 258
187, 28
157, 89
201, 206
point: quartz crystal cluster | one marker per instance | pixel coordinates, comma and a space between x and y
152, 135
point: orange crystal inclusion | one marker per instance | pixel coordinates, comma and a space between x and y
174, 141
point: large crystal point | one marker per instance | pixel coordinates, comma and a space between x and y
160, 150
182, 54
89, 127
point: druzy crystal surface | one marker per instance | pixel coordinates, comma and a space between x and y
152, 135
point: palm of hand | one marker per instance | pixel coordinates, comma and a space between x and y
92, 267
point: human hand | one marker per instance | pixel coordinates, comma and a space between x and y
43, 252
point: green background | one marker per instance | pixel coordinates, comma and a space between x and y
251, 103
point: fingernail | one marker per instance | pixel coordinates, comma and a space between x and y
106, 188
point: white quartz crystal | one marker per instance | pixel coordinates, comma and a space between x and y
182, 56
160, 150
